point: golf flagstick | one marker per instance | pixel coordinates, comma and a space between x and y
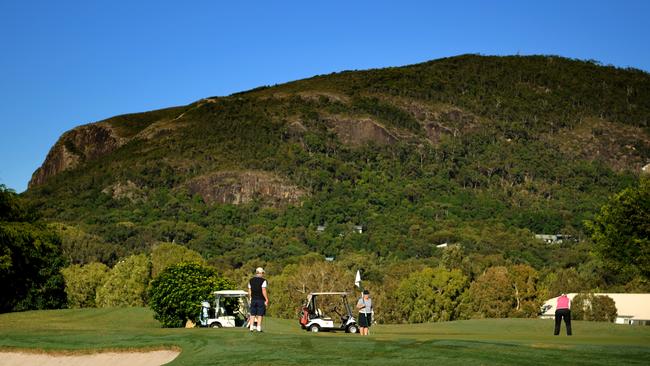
357, 283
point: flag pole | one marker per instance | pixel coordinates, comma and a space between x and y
357, 283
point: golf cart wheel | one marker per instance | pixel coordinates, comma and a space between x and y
314, 328
216, 325
352, 328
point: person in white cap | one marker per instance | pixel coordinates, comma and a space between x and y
258, 298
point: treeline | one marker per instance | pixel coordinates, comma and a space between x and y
457, 285
30, 259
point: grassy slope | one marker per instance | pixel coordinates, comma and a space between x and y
495, 341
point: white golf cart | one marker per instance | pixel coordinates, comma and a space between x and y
313, 319
230, 310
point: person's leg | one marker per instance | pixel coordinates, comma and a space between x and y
253, 316
252, 323
260, 315
567, 322
558, 321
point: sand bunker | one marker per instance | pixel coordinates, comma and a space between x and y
151, 358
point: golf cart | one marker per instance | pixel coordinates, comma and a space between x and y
230, 310
313, 319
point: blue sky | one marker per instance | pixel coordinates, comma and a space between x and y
67, 63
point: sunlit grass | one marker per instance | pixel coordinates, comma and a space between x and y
490, 341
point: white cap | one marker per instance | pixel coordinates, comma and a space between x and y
259, 270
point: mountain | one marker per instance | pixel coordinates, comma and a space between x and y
478, 150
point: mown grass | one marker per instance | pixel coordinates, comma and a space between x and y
475, 342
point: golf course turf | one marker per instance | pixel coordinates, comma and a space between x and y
471, 342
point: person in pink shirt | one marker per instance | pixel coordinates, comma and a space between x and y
563, 311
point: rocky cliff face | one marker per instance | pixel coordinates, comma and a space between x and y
242, 187
78, 145
359, 131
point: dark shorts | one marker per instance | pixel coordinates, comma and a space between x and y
258, 308
365, 320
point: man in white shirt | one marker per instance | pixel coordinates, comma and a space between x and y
258, 298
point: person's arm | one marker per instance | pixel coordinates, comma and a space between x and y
360, 305
266, 297
250, 294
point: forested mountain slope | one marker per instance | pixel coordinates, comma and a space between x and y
474, 150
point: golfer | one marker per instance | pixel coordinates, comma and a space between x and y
258, 298
365, 312
563, 311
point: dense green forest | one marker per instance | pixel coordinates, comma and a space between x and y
377, 169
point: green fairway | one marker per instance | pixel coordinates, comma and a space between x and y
493, 341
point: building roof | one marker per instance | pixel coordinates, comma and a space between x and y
632, 306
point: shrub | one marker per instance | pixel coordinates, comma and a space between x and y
176, 294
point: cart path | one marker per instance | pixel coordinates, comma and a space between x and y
151, 358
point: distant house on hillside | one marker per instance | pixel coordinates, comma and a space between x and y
355, 229
632, 309
553, 239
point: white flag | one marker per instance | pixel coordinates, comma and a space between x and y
357, 279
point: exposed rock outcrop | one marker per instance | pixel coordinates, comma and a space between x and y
127, 190
80, 144
359, 131
621, 147
239, 187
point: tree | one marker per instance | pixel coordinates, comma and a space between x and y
126, 283
621, 230
82, 282
563, 280
289, 290
524, 283
603, 308
452, 257
175, 295
164, 255
30, 259
579, 305
431, 295
385, 297
587, 306
81, 248
492, 294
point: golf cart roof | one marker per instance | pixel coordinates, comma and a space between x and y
231, 293
327, 293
